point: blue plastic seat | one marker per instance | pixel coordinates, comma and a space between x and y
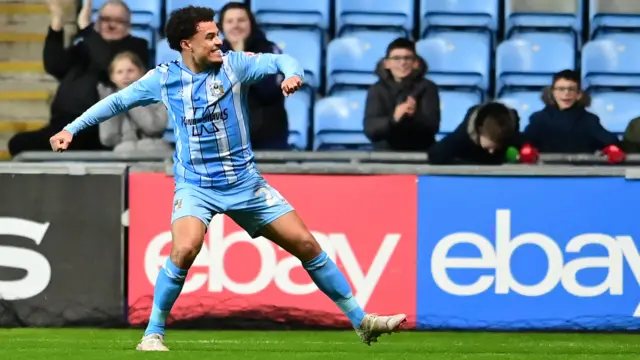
305, 46
613, 15
612, 62
552, 14
287, 12
615, 109
145, 13
458, 59
338, 121
374, 13
529, 60
164, 53
352, 60
216, 5
453, 108
298, 108
525, 103
458, 14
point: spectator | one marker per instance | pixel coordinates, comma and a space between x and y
483, 137
631, 138
269, 127
564, 125
141, 128
403, 108
79, 68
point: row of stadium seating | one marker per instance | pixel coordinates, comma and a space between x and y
400, 14
337, 121
463, 60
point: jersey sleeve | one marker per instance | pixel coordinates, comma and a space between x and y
145, 91
250, 67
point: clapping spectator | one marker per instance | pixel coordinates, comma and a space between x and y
564, 125
140, 128
403, 108
631, 137
80, 68
484, 137
269, 127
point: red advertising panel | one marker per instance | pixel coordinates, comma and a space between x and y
367, 224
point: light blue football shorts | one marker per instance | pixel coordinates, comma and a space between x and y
252, 203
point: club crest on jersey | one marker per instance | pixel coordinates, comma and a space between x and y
216, 88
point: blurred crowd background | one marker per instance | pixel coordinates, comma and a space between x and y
401, 75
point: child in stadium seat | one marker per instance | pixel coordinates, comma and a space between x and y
269, 128
403, 108
79, 68
483, 137
565, 126
140, 128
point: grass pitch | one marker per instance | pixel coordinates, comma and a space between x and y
89, 344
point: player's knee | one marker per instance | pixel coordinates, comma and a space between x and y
307, 247
184, 253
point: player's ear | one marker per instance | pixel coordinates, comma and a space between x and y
186, 45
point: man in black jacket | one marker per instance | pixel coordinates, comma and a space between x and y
79, 69
483, 137
403, 108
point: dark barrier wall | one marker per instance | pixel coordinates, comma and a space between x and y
61, 245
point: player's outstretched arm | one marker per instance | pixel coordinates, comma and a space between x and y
251, 67
143, 92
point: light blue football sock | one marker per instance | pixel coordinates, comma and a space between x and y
326, 275
168, 286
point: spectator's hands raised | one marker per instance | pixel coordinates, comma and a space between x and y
61, 141
84, 16
56, 8
291, 85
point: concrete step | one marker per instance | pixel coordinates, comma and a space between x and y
24, 18
4, 141
12, 127
21, 46
24, 105
27, 81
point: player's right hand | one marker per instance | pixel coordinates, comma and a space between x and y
61, 141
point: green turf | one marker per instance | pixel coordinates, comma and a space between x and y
86, 344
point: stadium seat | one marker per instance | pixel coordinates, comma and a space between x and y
144, 13
216, 5
338, 121
458, 14
457, 59
352, 60
287, 12
305, 46
554, 14
298, 109
611, 62
615, 109
525, 103
164, 54
530, 60
453, 108
613, 15
374, 13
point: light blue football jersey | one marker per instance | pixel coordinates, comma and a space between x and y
208, 110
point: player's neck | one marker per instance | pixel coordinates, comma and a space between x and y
195, 67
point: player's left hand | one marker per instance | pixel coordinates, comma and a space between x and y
291, 85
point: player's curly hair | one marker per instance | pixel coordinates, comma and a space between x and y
183, 24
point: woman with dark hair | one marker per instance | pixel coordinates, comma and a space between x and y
268, 117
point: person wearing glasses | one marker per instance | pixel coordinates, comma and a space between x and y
565, 126
403, 108
80, 67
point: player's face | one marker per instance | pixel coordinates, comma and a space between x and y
205, 44
566, 93
124, 73
236, 25
401, 62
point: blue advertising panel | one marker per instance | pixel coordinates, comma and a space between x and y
528, 253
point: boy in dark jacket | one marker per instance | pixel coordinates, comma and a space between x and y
403, 108
565, 126
483, 137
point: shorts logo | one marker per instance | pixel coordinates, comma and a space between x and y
177, 205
